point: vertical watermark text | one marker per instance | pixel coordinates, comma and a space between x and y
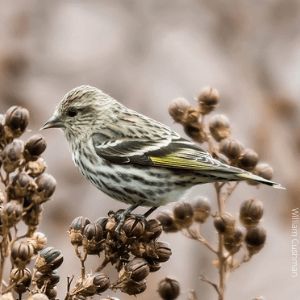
295, 241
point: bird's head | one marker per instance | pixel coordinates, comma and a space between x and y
79, 110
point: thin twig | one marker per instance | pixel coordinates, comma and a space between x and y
230, 191
195, 235
192, 295
69, 281
245, 259
222, 261
205, 279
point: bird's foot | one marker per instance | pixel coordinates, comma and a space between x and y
121, 215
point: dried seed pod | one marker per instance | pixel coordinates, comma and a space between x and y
264, 170
20, 185
76, 229
33, 215
201, 207
177, 109
91, 285
138, 269
209, 96
190, 116
219, 127
51, 293
21, 253
102, 282
231, 148
35, 168
162, 251
234, 242
34, 147
46, 185
102, 221
38, 241
196, 131
134, 227
138, 248
17, 119
225, 224
12, 213
49, 279
133, 287
154, 266
167, 221
248, 160
251, 211
92, 236
12, 155
208, 99
23, 279
153, 229
169, 289
255, 239
183, 214
48, 260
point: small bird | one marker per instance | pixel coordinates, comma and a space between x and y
132, 158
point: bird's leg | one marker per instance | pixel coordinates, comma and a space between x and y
121, 216
149, 211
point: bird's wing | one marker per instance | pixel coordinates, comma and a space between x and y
168, 152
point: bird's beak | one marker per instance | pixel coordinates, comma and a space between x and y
53, 122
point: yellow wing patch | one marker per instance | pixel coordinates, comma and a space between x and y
172, 161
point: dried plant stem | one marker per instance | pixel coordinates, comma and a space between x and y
194, 234
230, 190
245, 259
1, 270
192, 295
69, 282
220, 253
4, 253
215, 286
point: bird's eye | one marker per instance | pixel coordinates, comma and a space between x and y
72, 112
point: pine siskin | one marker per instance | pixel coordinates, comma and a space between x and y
133, 158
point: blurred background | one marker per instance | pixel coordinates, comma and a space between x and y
146, 53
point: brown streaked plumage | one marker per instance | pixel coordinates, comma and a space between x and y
133, 158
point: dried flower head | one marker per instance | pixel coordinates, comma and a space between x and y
16, 120
76, 229
48, 260
231, 148
183, 214
34, 147
177, 109
168, 289
234, 242
248, 160
225, 224
255, 239
21, 278
38, 241
251, 212
195, 131
264, 170
201, 207
219, 127
167, 221
208, 99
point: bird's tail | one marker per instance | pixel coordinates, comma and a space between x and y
250, 176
